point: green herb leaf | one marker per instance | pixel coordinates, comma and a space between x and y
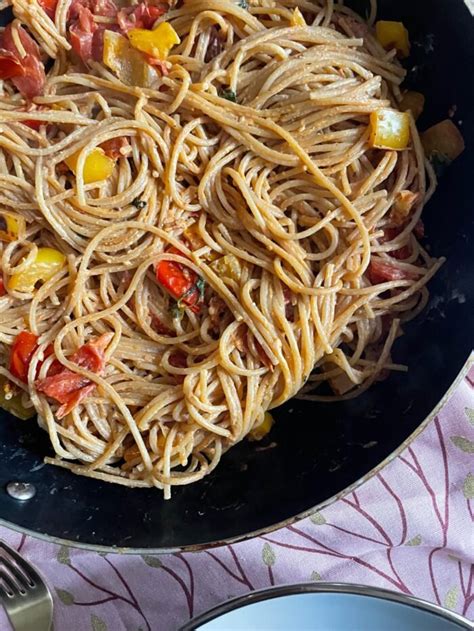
243, 4
139, 204
228, 94
201, 287
415, 541
316, 576
177, 311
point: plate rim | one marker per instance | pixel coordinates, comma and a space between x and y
367, 591
465, 368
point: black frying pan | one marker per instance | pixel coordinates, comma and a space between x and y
320, 449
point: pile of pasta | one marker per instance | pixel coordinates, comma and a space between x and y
206, 208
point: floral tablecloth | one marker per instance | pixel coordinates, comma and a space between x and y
409, 529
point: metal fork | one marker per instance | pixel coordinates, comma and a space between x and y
23, 593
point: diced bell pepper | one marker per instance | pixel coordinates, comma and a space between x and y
12, 226
97, 166
389, 129
413, 101
47, 263
193, 237
157, 43
443, 139
259, 432
297, 18
13, 402
227, 266
126, 62
393, 35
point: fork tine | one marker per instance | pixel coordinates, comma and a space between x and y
24, 594
12, 588
29, 572
5, 592
23, 581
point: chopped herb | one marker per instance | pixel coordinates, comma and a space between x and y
439, 162
177, 311
243, 4
201, 287
228, 94
139, 204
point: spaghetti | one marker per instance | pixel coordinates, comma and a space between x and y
246, 246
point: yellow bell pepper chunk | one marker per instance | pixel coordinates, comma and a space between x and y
443, 139
389, 129
127, 63
192, 235
156, 43
47, 263
12, 226
413, 101
263, 429
297, 18
13, 402
227, 266
393, 35
97, 166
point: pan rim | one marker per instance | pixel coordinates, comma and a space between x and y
91, 547
326, 587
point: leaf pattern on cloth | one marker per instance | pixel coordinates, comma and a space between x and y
268, 555
468, 487
63, 555
318, 519
463, 443
451, 598
470, 415
404, 529
97, 624
152, 561
65, 597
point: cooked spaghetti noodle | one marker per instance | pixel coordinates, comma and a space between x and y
244, 167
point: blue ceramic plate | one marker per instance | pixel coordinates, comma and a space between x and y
328, 607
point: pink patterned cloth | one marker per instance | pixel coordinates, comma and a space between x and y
408, 529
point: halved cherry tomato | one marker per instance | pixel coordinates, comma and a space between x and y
419, 229
180, 282
2, 288
389, 235
70, 388
178, 359
116, 147
49, 7
24, 346
10, 66
381, 272
32, 124
159, 326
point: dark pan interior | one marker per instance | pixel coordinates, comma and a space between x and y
319, 449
